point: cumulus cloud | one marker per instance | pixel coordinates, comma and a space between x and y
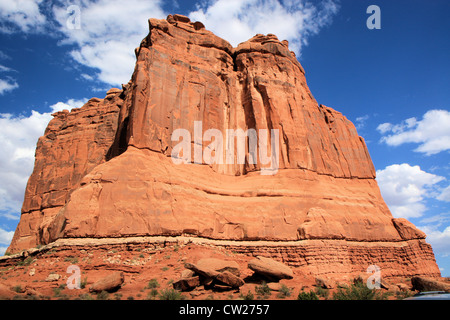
239, 20
109, 31
445, 195
405, 188
432, 133
439, 240
5, 236
21, 15
5, 240
19, 135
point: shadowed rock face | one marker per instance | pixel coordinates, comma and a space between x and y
105, 170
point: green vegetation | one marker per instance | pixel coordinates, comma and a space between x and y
284, 292
104, 295
152, 294
25, 262
83, 283
17, 289
321, 292
358, 291
85, 296
170, 294
72, 260
311, 295
152, 284
263, 291
248, 296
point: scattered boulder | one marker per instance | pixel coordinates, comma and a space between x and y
324, 283
186, 273
211, 267
181, 18
230, 279
32, 292
52, 277
109, 283
217, 273
201, 270
187, 284
429, 284
219, 265
270, 268
113, 91
274, 286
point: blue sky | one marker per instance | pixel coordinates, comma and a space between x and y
392, 83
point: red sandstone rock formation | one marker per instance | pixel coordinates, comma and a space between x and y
105, 170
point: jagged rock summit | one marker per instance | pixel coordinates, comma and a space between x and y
106, 170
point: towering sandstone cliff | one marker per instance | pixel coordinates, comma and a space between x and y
105, 170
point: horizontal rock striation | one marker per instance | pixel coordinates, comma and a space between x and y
105, 170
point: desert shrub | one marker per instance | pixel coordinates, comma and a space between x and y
17, 289
104, 295
321, 292
152, 294
25, 262
358, 291
153, 284
170, 294
311, 295
83, 283
248, 296
263, 291
85, 296
284, 292
72, 260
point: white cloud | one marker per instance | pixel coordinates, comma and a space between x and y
360, 122
21, 15
110, 30
445, 195
7, 85
5, 69
19, 135
432, 133
238, 20
6, 236
405, 187
439, 240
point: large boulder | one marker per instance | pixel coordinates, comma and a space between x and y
429, 284
211, 267
109, 283
270, 268
230, 279
187, 284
